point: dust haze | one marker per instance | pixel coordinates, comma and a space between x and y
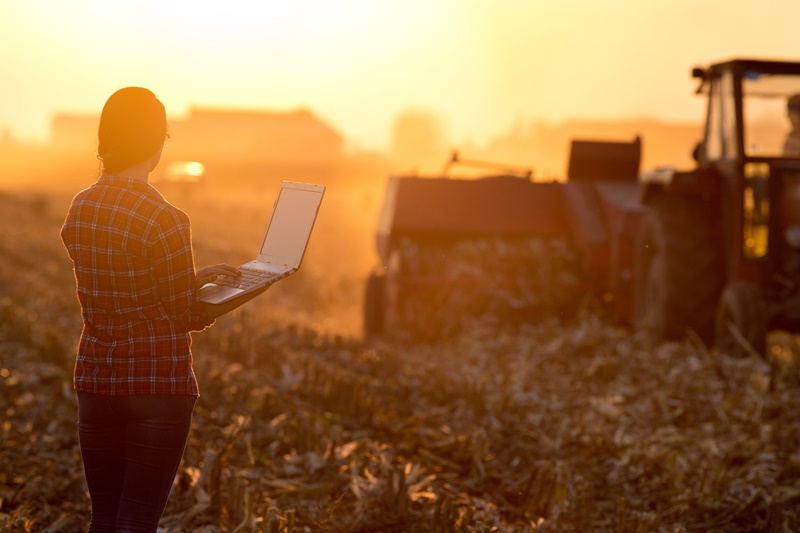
246, 153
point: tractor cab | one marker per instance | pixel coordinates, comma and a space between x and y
741, 205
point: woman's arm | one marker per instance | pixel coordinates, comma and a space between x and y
208, 274
217, 310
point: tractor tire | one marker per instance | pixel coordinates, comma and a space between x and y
374, 306
741, 321
679, 269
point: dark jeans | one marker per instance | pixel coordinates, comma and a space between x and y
131, 448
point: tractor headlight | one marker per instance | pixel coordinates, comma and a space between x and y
792, 235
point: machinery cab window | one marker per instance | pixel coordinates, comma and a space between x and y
720, 143
770, 130
771, 114
755, 222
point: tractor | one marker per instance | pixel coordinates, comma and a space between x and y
718, 250
712, 252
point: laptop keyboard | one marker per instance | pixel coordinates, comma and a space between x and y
248, 278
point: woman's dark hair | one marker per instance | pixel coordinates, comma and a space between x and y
132, 128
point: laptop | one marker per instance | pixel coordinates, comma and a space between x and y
282, 247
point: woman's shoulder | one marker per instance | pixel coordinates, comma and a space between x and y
165, 213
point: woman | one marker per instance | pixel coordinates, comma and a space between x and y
137, 287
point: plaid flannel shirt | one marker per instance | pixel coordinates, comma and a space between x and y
135, 278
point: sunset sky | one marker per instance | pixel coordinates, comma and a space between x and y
482, 65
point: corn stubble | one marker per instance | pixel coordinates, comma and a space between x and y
548, 426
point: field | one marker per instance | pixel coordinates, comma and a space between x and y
571, 425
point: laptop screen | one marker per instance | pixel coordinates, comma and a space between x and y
290, 224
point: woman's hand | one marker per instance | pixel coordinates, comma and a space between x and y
208, 274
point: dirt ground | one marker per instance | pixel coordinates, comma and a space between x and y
571, 425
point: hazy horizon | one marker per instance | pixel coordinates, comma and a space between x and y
418, 143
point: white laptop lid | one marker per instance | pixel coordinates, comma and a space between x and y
290, 224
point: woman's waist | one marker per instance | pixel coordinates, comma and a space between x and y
144, 335
125, 317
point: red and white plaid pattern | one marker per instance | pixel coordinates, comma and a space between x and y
135, 275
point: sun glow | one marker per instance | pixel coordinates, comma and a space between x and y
481, 65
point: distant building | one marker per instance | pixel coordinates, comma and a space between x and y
220, 135
248, 136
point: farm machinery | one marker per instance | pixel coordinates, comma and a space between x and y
503, 246
713, 250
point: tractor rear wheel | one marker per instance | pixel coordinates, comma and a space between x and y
679, 269
741, 323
